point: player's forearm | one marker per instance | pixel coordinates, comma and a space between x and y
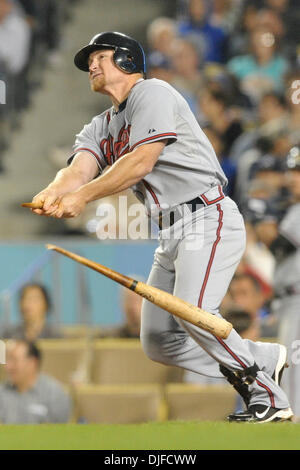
125, 172
67, 180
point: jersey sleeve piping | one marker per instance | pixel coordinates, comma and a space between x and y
153, 138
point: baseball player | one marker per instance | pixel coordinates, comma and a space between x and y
282, 235
151, 142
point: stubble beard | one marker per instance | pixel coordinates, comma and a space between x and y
97, 84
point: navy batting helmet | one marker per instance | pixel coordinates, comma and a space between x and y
128, 55
293, 158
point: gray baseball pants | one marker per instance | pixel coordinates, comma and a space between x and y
196, 260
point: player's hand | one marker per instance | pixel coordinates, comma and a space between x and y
70, 205
49, 200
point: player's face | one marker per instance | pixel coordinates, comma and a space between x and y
102, 70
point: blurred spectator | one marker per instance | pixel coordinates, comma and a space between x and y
34, 304
227, 166
270, 136
225, 14
215, 109
246, 293
159, 66
160, 34
292, 85
244, 324
272, 114
187, 78
263, 69
269, 170
30, 31
131, 307
211, 39
288, 11
272, 120
14, 37
45, 20
29, 397
246, 23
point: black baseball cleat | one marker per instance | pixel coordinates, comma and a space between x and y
261, 414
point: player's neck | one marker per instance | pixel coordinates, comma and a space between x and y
120, 92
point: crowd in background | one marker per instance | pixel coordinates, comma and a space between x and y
30, 31
238, 65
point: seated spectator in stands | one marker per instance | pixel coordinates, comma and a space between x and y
292, 86
14, 37
288, 11
269, 169
218, 78
225, 14
215, 110
247, 294
243, 324
160, 34
131, 307
187, 78
34, 304
272, 114
245, 24
227, 166
272, 118
45, 20
263, 69
159, 66
29, 397
211, 39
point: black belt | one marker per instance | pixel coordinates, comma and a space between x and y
194, 205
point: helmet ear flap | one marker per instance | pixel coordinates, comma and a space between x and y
124, 61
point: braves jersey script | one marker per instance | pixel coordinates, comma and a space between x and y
154, 111
287, 272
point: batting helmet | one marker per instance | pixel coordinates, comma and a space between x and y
293, 158
128, 55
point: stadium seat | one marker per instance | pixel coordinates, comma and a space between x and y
68, 360
199, 402
77, 331
120, 361
117, 403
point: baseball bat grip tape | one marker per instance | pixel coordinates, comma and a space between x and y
172, 304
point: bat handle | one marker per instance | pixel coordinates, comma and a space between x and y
32, 205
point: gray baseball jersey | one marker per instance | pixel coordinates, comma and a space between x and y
155, 111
